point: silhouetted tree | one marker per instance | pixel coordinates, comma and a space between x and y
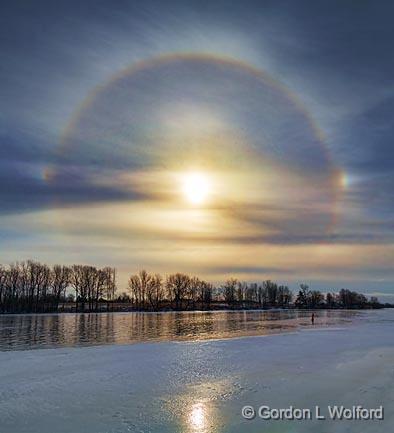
330, 300
271, 290
302, 300
177, 286
155, 291
316, 299
284, 297
109, 288
205, 294
138, 287
35, 287
60, 281
229, 293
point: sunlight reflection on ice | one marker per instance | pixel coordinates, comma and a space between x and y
198, 418
200, 406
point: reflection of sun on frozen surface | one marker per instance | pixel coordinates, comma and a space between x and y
196, 406
197, 418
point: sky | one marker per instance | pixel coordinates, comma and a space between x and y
245, 139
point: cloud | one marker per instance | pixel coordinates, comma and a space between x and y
234, 270
30, 187
333, 56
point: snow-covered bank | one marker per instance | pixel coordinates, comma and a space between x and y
201, 387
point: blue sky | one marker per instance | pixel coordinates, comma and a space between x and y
332, 58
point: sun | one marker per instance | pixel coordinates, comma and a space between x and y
196, 187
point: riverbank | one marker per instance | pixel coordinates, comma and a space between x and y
201, 386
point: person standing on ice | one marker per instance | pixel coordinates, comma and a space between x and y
313, 318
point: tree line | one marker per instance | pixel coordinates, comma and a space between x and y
307, 298
33, 287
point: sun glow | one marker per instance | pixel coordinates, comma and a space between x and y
196, 187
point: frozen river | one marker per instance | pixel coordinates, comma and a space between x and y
201, 386
31, 331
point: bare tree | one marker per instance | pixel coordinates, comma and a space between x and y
229, 291
60, 281
155, 291
78, 282
177, 286
110, 285
284, 296
138, 287
271, 292
205, 294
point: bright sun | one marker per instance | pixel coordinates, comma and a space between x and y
195, 187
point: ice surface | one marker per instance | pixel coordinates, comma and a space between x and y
201, 386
